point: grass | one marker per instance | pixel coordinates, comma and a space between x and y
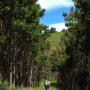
41, 87
54, 40
35, 88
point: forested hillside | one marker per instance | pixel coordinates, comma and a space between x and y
54, 40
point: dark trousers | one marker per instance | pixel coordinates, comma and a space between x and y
46, 87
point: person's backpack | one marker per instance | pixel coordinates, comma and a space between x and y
47, 83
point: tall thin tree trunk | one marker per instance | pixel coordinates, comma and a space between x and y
11, 75
14, 72
30, 78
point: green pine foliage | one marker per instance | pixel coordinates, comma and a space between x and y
21, 42
74, 73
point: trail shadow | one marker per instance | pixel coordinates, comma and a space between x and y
54, 84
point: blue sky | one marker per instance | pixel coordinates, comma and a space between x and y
53, 16
54, 10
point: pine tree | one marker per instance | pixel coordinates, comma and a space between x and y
21, 40
78, 48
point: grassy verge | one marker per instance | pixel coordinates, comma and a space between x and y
41, 87
5, 86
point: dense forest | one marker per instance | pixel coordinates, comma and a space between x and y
22, 42
31, 51
75, 72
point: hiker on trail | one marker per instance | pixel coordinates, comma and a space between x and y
47, 85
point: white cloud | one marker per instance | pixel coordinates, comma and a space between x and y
49, 4
59, 26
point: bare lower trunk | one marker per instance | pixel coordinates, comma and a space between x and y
30, 77
14, 75
11, 75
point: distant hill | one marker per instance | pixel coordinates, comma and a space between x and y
54, 39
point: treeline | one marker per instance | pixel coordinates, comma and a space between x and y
74, 73
22, 42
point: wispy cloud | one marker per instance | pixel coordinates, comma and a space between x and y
59, 26
49, 4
